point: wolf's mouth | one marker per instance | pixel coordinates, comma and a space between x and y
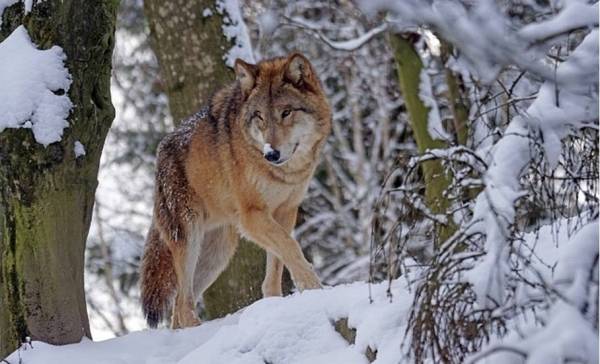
284, 161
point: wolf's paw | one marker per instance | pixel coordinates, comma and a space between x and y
308, 281
269, 290
185, 318
191, 321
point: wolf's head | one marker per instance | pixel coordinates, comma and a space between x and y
285, 113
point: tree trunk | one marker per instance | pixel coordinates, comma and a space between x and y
47, 193
409, 67
457, 101
190, 48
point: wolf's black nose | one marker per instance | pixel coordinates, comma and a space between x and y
272, 155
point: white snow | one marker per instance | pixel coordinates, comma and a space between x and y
509, 157
235, 31
434, 121
207, 12
565, 334
78, 149
576, 103
344, 45
294, 329
574, 15
577, 258
299, 329
576, 106
479, 29
268, 22
29, 78
353, 44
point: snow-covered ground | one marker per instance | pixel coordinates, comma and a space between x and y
293, 329
301, 328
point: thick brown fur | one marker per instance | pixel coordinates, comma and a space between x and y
213, 181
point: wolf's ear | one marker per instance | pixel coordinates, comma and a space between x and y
246, 74
300, 73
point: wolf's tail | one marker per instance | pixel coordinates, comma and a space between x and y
157, 279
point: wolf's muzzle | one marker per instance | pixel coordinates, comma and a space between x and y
273, 155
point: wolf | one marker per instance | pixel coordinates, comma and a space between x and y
241, 165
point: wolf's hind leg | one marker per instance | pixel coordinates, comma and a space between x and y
185, 255
217, 249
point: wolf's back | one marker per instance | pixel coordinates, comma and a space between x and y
157, 279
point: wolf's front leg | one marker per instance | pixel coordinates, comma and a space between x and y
271, 285
261, 228
185, 256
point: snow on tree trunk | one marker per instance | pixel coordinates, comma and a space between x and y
194, 41
47, 184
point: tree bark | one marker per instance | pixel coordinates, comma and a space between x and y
409, 67
47, 193
190, 48
457, 101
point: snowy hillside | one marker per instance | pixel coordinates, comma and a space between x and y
355, 323
295, 329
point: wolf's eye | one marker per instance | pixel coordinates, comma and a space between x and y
285, 113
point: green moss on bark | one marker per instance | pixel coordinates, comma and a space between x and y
47, 194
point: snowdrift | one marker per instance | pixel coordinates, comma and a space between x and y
296, 329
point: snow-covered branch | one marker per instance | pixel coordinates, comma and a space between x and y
341, 45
